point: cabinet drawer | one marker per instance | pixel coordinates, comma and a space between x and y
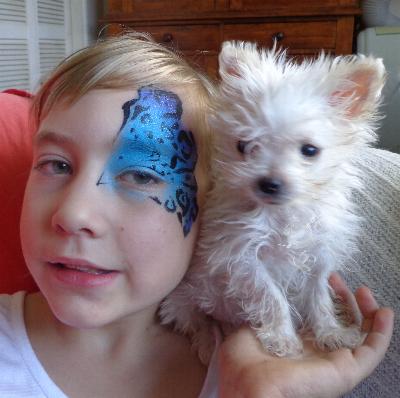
154, 8
185, 37
289, 6
298, 37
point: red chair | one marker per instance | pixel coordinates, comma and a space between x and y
16, 131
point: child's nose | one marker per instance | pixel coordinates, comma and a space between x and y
78, 212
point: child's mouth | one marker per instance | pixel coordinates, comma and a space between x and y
78, 273
89, 270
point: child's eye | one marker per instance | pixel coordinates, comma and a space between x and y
138, 177
309, 150
53, 167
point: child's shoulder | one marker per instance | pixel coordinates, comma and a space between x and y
10, 303
5, 300
11, 317
20, 374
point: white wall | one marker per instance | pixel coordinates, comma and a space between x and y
384, 42
83, 23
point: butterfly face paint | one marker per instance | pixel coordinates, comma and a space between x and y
153, 146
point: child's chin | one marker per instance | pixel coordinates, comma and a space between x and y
74, 316
79, 322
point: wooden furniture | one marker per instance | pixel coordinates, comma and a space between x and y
198, 27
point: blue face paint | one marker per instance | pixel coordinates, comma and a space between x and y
154, 146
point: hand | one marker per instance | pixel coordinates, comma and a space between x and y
246, 370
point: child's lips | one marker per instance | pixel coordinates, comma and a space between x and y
80, 265
80, 268
80, 273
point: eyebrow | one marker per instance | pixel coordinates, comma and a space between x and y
45, 136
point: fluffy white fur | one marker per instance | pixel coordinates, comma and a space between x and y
264, 257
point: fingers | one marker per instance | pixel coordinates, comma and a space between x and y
339, 285
366, 302
372, 351
347, 297
368, 307
377, 322
341, 290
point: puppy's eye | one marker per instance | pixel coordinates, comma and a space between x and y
241, 146
309, 150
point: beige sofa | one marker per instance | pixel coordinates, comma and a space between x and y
378, 261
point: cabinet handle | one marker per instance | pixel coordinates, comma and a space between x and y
167, 38
278, 36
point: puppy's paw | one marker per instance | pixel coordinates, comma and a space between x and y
340, 336
281, 344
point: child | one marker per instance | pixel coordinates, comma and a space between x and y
109, 222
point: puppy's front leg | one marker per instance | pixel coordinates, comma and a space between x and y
322, 315
269, 314
179, 309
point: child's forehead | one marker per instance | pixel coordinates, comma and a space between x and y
102, 111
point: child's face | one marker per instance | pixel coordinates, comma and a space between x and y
110, 217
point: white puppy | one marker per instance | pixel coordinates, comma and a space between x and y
279, 219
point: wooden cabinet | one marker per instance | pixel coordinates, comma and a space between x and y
198, 27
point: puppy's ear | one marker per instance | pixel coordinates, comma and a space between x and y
229, 59
362, 79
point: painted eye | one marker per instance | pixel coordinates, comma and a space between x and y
138, 178
309, 150
241, 146
53, 167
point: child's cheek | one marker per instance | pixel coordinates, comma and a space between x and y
154, 157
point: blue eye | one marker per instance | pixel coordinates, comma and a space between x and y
138, 177
309, 150
53, 167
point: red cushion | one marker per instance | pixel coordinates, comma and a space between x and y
16, 130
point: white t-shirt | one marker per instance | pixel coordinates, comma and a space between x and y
21, 373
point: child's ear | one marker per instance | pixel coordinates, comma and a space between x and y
362, 82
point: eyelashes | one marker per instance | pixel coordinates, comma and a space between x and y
53, 167
134, 177
129, 178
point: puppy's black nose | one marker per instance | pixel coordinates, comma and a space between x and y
270, 186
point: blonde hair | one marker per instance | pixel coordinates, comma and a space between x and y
130, 60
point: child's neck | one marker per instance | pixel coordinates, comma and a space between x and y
134, 331
114, 360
